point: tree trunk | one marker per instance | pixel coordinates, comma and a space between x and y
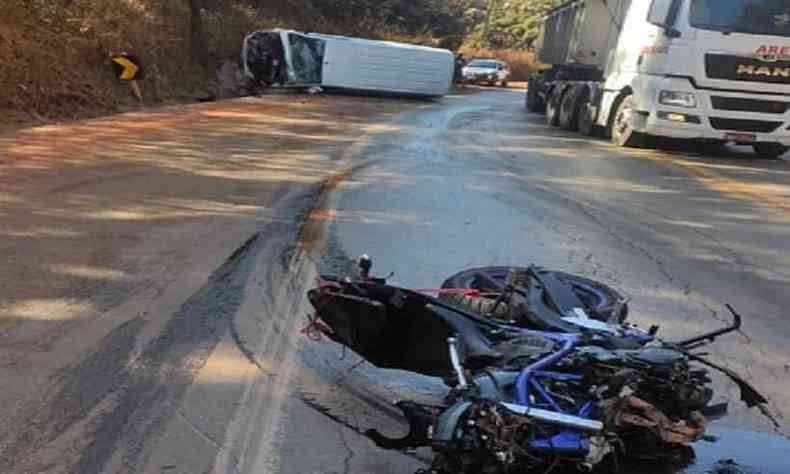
197, 35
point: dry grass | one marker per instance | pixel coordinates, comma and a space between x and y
522, 63
55, 55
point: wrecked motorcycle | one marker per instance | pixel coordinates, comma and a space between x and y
522, 399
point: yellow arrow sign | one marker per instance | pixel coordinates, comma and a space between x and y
130, 69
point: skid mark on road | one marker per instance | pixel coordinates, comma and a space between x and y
102, 371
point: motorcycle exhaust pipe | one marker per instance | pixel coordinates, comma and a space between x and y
455, 360
561, 419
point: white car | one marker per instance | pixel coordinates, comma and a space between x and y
487, 71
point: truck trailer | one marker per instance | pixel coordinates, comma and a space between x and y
717, 71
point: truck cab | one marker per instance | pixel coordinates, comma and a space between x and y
714, 70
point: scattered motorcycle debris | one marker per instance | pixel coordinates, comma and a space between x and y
542, 368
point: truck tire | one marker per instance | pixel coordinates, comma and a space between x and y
587, 124
770, 151
534, 102
553, 107
569, 113
623, 134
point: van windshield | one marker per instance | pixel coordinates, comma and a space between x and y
761, 17
484, 64
307, 55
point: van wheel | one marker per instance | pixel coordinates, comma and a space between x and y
504, 83
623, 134
552, 107
770, 151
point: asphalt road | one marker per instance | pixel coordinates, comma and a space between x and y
476, 181
156, 264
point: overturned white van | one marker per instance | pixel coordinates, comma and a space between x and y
288, 58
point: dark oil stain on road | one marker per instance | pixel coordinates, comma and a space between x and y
169, 364
752, 452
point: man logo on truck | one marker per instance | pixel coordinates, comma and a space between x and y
750, 70
767, 53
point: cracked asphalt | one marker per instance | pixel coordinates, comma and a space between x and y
156, 263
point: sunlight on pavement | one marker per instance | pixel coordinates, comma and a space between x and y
371, 217
41, 232
225, 367
686, 223
600, 184
772, 197
51, 309
91, 273
731, 167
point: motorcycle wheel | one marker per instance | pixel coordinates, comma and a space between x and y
600, 300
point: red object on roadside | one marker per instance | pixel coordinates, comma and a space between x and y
448, 291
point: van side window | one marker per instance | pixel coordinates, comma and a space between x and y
307, 55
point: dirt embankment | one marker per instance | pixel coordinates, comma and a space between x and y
55, 54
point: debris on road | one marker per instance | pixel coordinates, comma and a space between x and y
728, 466
521, 395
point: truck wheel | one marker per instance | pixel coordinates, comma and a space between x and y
586, 118
623, 133
770, 151
569, 114
530, 98
534, 102
552, 107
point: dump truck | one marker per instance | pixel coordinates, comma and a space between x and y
716, 71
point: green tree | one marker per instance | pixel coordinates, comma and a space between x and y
197, 34
512, 23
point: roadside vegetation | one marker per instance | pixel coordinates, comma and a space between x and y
54, 54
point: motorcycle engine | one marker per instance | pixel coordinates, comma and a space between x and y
490, 439
662, 377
